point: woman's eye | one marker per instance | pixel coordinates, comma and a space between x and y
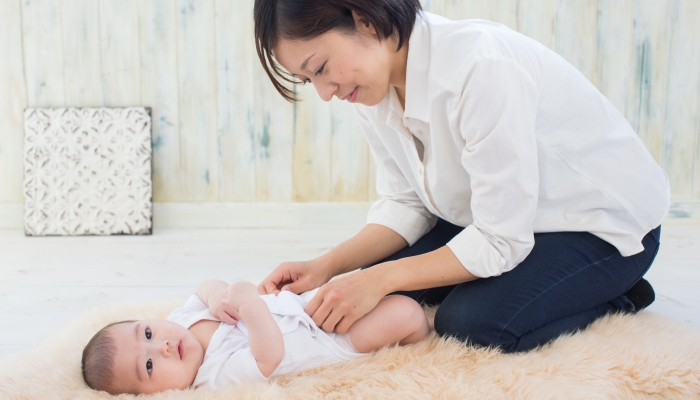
149, 366
148, 334
320, 70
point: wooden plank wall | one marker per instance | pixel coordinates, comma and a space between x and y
222, 134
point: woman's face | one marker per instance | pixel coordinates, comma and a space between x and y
354, 67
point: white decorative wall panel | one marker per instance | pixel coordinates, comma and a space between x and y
87, 171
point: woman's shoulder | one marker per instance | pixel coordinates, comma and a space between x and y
456, 47
469, 37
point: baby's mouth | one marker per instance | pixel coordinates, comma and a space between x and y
180, 349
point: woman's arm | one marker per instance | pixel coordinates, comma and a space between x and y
373, 243
341, 302
434, 269
376, 242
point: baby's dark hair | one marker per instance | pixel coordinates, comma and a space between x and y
98, 360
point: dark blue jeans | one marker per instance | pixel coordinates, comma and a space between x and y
568, 280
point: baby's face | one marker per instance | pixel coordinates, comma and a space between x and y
155, 355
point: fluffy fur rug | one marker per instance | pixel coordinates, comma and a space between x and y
618, 357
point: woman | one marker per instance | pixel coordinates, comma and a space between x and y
528, 204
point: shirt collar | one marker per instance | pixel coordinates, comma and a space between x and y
417, 74
417, 67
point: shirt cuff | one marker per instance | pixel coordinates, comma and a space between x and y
476, 253
405, 221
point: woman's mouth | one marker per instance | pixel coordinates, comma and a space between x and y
353, 95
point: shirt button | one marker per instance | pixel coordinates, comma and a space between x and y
420, 133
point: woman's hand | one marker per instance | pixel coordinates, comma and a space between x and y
341, 302
296, 276
221, 308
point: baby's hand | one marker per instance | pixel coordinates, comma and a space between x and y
221, 308
241, 292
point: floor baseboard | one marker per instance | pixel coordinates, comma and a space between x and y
232, 215
11, 216
258, 215
277, 215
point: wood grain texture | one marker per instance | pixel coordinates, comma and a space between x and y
503, 11
614, 35
681, 117
350, 155
648, 89
312, 146
119, 52
80, 25
538, 20
467, 10
449, 9
274, 126
196, 50
43, 53
221, 133
696, 161
235, 50
159, 90
576, 34
13, 100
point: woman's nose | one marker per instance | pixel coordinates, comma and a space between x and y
325, 90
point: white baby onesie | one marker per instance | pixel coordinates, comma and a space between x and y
228, 359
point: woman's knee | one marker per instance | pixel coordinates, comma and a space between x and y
472, 326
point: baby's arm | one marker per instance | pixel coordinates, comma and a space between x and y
264, 334
207, 288
213, 294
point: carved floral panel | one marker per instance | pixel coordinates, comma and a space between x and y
87, 171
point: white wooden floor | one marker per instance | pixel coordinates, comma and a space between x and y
47, 281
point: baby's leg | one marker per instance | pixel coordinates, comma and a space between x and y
395, 319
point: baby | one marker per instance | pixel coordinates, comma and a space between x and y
228, 334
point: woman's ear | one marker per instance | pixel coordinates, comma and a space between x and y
362, 24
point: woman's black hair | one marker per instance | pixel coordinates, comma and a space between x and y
308, 19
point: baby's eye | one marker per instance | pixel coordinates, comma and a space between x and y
149, 366
148, 334
305, 81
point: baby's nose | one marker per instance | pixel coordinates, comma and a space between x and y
165, 348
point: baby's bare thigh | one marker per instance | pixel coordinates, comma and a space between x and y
392, 320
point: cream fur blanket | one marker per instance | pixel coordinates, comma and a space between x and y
618, 357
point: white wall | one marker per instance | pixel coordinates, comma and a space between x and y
222, 134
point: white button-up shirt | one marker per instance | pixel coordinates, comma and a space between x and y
514, 141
